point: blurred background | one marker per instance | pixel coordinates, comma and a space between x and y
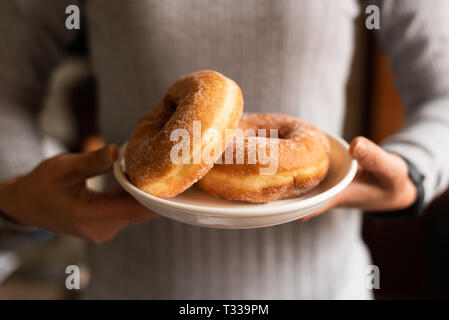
413, 256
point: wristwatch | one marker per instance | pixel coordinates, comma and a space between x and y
417, 208
7, 218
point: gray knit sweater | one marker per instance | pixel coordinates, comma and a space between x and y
288, 56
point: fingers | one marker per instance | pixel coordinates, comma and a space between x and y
118, 207
318, 212
376, 160
104, 214
381, 182
335, 202
88, 164
127, 211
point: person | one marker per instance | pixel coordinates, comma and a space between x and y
290, 57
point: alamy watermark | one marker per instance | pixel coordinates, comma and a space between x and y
73, 20
72, 282
372, 21
244, 147
372, 277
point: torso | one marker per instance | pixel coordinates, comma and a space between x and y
287, 56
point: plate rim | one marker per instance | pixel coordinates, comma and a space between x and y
255, 210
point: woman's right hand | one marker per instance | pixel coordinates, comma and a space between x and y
54, 196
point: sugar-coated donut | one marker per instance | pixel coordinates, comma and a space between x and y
205, 97
302, 161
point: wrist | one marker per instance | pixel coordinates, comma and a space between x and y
7, 218
5, 197
414, 196
417, 178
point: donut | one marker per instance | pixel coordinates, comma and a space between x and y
300, 150
200, 104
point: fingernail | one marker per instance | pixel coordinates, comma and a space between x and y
360, 148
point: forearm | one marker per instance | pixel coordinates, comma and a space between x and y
415, 35
20, 152
26, 64
423, 141
20, 141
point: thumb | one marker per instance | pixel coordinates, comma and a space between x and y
374, 159
88, 164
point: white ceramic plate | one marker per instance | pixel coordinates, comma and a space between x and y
195, 207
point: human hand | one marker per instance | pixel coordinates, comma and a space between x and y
381, 182
54, 196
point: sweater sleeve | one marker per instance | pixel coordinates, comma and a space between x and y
33, 38
415, 36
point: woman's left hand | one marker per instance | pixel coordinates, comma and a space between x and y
381, 182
